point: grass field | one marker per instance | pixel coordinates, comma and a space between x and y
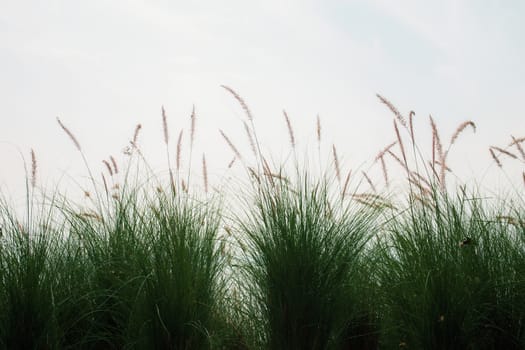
301, 260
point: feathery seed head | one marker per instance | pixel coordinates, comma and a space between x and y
165, 125
70, 134
33, 168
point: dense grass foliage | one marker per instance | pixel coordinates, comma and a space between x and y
305, 267
180, 306
143, 273
452, 277
299, 261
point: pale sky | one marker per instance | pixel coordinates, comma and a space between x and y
104, 66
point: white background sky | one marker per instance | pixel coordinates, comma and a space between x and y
104, 66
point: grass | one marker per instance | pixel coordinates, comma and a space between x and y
43, 291
183, 291
305, 267
452, 278
298, 261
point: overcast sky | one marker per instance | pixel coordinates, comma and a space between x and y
104, 66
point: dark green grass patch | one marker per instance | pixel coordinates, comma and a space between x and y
305, 267
452, 277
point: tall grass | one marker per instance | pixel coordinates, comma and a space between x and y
305, 267
305, 261
451, 277
146, 274
44, 297
116, 251
181, 301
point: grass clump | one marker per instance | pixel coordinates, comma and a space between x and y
305, 267
116, 253
180, 303
156, 272
451, 277
146, 273
43, 291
